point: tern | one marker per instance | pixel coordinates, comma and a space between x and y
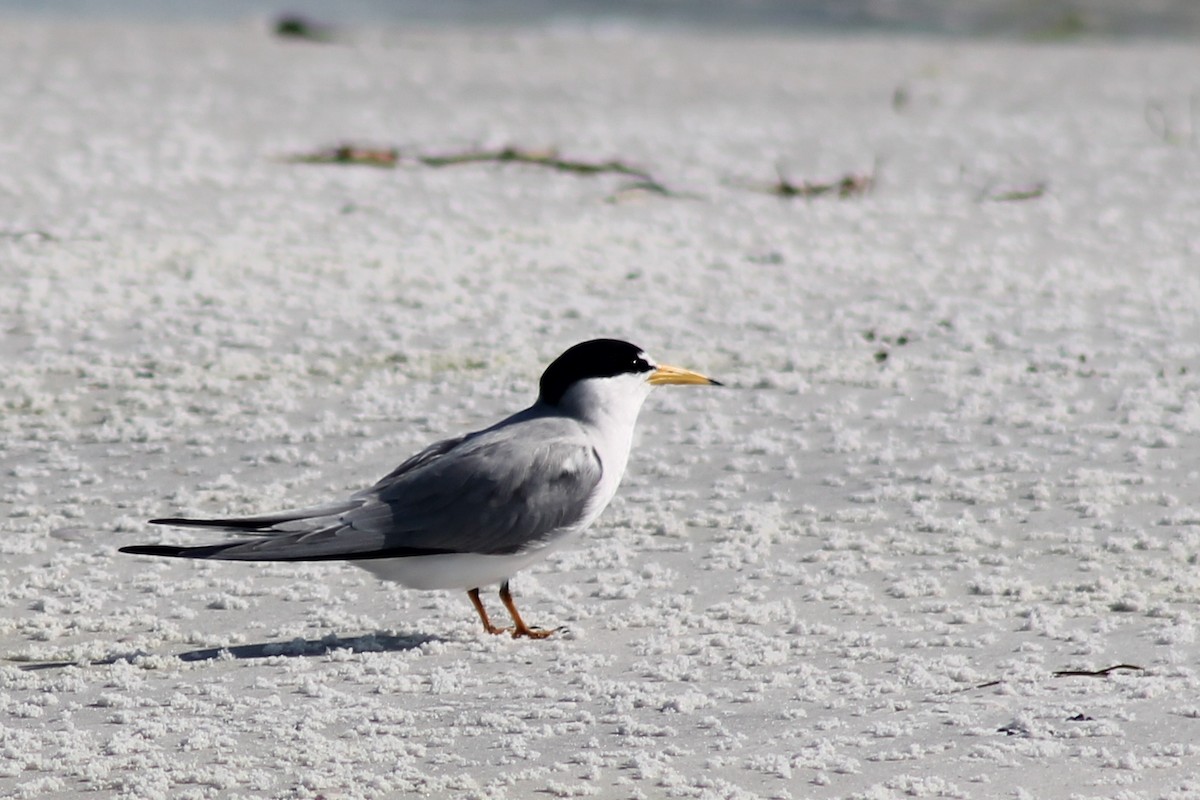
470, 511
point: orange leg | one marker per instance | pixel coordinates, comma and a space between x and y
483, 615
520, 628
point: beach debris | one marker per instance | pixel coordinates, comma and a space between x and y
298, 26
852, 184
1096, 673
886, 342
871, 336
391, 157
547, 157
642, 183
386, 157
1012, 194
1016, 728
1066, 673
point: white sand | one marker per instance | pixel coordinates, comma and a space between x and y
805, 579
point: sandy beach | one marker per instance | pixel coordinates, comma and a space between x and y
938, 537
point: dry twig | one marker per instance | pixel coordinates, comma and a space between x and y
643, 181
852, 184
1095, 673
1068, 673
386, 157
541, 158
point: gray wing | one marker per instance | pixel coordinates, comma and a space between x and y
496, 491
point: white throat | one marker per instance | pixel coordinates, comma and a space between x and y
609, 407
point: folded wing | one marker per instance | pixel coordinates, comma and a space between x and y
499, 491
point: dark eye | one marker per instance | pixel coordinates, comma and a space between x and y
641, 365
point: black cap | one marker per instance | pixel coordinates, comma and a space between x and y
598, 358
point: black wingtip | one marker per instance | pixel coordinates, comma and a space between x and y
230, 524
153, 550
171, 551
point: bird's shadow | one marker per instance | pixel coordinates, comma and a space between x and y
296, 648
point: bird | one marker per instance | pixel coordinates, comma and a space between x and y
470, 511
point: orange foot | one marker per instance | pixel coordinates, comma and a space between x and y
524, 631
519, 630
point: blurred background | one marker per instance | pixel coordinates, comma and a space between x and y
1046, 19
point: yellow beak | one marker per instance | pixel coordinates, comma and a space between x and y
667, 374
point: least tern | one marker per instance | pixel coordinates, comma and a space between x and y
471, 511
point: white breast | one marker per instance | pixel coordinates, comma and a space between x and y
607, 408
